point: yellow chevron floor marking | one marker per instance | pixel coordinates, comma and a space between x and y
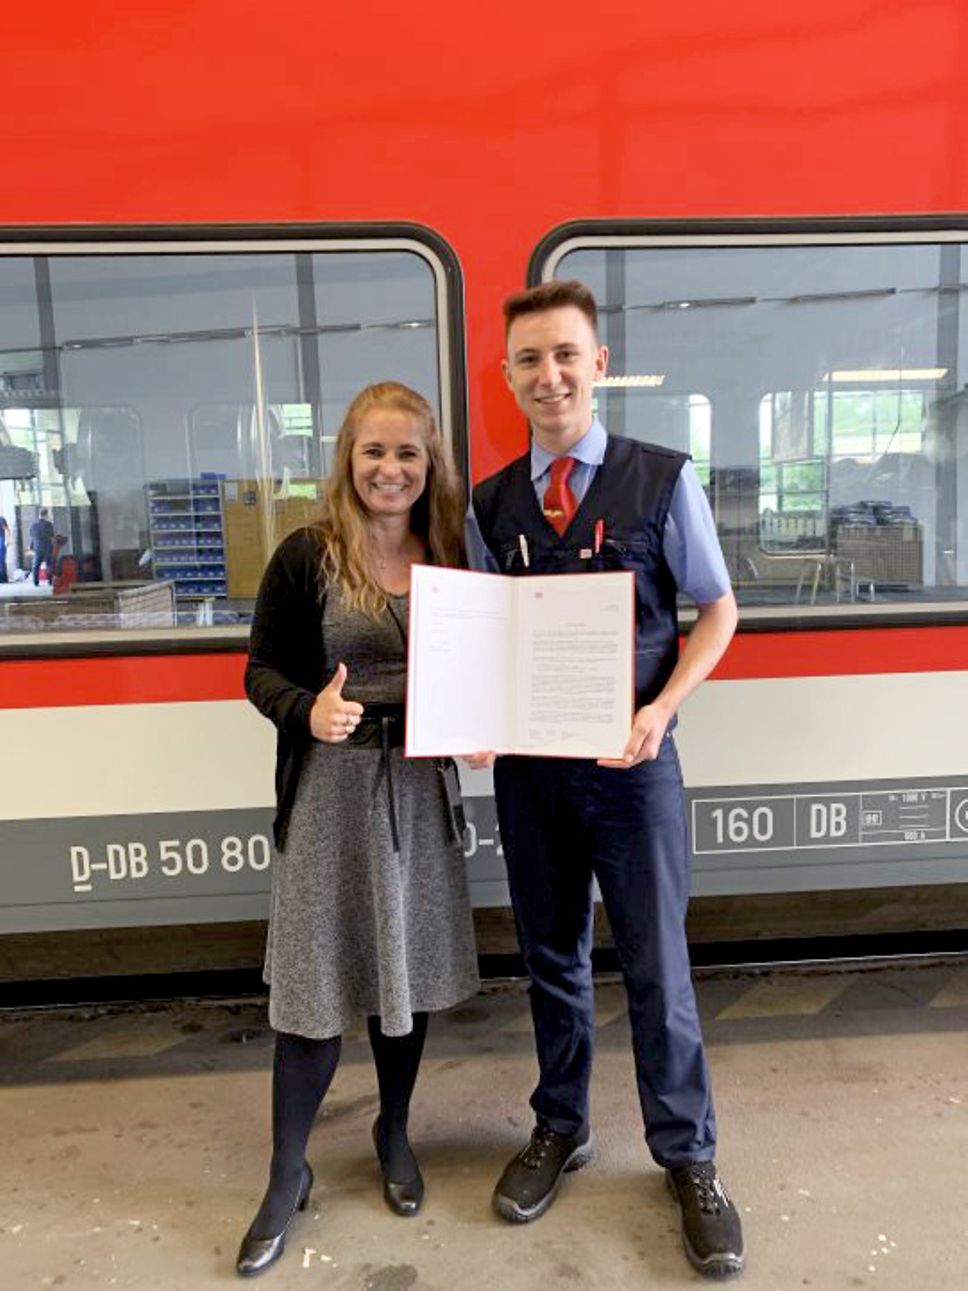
520, 1024
125, 1037
611, 1003
955, 994
786, 997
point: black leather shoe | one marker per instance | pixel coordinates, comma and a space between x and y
403, 1196
530, 1182
257, 1253
712, 1234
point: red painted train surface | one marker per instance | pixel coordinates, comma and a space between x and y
490, 129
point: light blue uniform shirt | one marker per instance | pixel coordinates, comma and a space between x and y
689, 542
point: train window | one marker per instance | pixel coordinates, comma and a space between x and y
169, 405
678, 421
834, 372
795, 514
792, 499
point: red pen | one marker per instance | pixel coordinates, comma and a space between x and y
599, 535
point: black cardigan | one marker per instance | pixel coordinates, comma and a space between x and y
285, 669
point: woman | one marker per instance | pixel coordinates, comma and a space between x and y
369, 910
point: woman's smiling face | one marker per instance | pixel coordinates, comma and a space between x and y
389, 462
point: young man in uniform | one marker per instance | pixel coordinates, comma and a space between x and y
582, 500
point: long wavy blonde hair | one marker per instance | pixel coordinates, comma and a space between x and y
437, 516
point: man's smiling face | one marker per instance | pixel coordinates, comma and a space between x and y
553, 361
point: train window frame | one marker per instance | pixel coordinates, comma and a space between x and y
50, 241
710, 233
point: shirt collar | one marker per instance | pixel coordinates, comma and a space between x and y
590, 449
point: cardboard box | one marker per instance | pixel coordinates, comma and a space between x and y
890, 555
257, 515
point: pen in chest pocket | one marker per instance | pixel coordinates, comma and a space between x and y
587, 553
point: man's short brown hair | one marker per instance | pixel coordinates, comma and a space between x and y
551, 295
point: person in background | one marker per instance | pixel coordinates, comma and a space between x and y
581, 501
369, 911
4, 536
42, 542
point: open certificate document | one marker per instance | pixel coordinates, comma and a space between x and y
541, 665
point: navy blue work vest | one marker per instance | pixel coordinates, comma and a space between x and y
630, 494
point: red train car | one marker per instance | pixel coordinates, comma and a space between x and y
219, 221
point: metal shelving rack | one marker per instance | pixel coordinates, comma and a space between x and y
187, 533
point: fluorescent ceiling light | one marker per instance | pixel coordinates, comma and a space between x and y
807, 298
886, 374
705, 302
652, 379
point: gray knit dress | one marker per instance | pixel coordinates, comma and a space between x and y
355, 927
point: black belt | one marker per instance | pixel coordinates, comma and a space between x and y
384, 724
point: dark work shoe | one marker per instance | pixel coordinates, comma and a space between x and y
403, 1196
712, 1234
257, 1253
531, 1180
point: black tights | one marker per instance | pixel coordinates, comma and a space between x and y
302, 1072
397, 1061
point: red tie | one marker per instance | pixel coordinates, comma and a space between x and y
559, 501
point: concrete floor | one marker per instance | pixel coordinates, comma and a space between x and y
24, 587
134, 1143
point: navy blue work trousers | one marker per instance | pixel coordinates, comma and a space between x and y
562, 822
43, 556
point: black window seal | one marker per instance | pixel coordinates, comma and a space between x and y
827, 225
94, 234
790, 618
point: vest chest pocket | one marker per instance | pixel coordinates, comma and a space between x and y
535, 556
514, 557
638, 553
633, 552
